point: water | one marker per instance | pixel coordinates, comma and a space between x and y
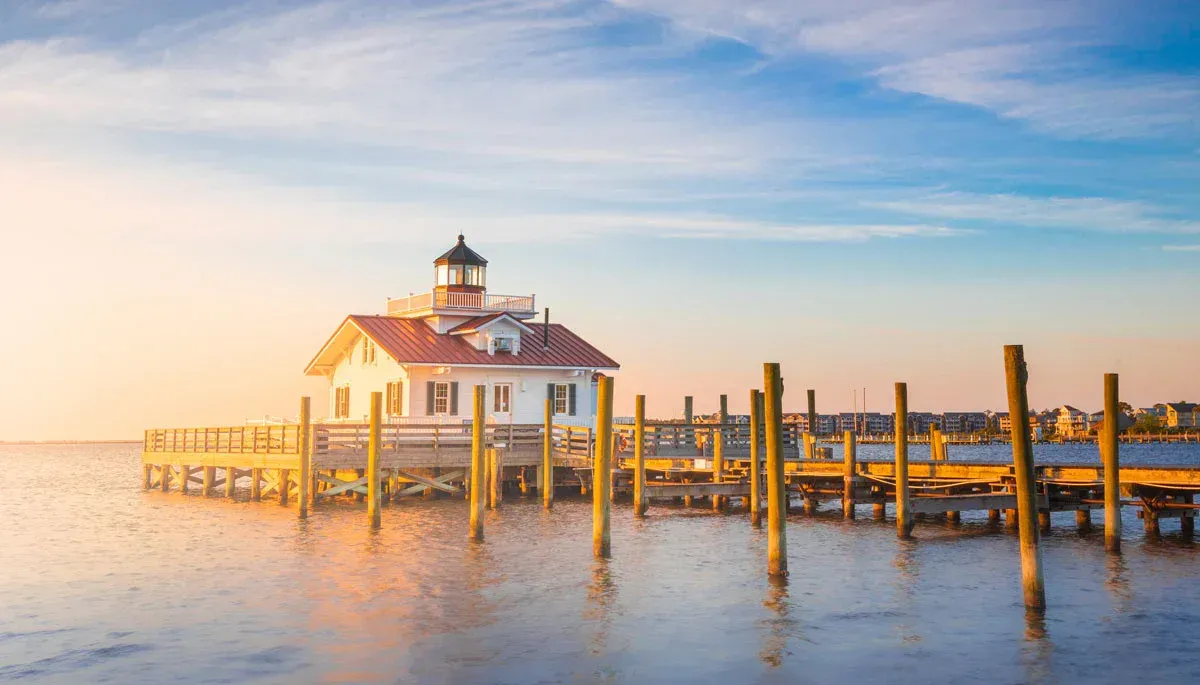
101, 582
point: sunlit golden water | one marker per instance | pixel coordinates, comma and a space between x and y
102, 582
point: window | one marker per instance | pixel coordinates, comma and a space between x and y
441, 398
341, 402
502, 398
456, 274
368, 351
395, 398
563, 397
442, 270
504, 345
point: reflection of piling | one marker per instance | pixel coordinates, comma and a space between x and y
639, 456
756, 422
849, 478
477, 464
547, 484
776, 518
1110, 455
374, 513
904, 517
1016, 377
602, 469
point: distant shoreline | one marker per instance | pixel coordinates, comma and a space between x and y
68, 442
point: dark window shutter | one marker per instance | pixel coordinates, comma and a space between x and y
399, 397
454, 398
429, 398
571, 399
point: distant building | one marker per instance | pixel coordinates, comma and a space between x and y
1182, 415
827, 424
1124, 422
920, 421
964, 422
1071, 421
878, 424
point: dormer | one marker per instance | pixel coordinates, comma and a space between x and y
495, 333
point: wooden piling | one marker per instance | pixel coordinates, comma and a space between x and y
1016, 378
776, 515
185, 476
720, 501
477, 463
305, 448
547, 480
210, 475
1110, 456
164, 477
374, 512
255, 484
1044, 521
993, 516
639, 456
285, 486
1083, 520
850, 477
495, 489
904, 517
689, 435
756, 423
812, 413
879, 511
602, 469
147, 471
231, 475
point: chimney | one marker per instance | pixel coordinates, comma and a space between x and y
546, 331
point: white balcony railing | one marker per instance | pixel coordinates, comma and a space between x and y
480, 302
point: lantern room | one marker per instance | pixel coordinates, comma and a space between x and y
460, 270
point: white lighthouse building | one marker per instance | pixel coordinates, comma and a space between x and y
428, 350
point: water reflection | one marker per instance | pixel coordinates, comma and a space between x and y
1037, 649
1117, 582
908, 572
601, 598
779, 626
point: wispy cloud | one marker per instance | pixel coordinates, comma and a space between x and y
1081, 214
1181, 248
1028, 60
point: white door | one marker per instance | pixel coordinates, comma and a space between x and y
501, 402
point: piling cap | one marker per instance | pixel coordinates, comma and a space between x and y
461, 254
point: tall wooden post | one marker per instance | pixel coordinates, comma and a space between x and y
689, 435
164, 477
1016, 377
185, 477
255, 484
1110, 455
231, 475
547, 484
147, 470
850, 478
304, 446
756, 422
776, 515
602, 469
495, 460
374, 513
477, 463
210, 475
904, 517
719, 501
640, 502
812, 414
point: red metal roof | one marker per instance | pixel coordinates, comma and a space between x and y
412, 341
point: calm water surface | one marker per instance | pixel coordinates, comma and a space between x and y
101, 582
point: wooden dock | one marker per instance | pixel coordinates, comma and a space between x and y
425, 459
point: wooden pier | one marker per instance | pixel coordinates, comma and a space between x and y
422, 459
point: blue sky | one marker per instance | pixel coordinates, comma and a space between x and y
1029, 167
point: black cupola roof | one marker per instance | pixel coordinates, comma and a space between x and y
461, 254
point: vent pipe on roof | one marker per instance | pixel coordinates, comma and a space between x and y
546, 331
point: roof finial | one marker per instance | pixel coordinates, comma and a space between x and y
460, 238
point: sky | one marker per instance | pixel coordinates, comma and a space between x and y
194, 194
